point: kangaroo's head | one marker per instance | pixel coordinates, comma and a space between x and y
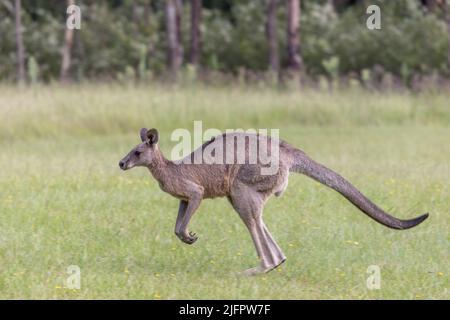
144, 153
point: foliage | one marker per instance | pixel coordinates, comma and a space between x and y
119, 35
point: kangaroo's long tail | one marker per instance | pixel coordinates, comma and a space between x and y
305, 165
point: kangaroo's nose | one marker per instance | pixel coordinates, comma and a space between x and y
122, 165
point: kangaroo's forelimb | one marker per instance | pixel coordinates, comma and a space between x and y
186, 210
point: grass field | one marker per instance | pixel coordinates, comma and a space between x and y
64, 201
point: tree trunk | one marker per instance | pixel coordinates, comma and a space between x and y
430, 4
147, 11
173, 20
295, 62
179, 14
19, 43
272, 38
67, 51
447, 21
196, 17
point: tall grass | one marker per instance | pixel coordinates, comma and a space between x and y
102, 109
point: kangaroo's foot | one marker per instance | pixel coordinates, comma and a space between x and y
255, 271
261, 269
188, 238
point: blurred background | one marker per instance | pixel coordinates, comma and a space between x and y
215, 41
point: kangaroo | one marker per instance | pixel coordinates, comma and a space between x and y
245, 187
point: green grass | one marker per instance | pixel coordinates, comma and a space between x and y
63, 200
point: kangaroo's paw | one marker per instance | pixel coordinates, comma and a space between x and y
189, 238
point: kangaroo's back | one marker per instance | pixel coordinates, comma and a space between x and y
216, 163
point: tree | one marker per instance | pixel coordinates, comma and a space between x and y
173, 28
19, 43
447, 20
272, 39
179, 14
295, 62
196, 16
67, 51
430, 4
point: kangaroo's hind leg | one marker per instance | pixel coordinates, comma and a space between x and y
274, 246
249, 204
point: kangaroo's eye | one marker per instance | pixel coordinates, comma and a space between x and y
137, 153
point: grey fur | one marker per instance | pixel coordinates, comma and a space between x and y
244, 186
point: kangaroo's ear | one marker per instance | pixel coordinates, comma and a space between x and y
152, 136
143, 134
